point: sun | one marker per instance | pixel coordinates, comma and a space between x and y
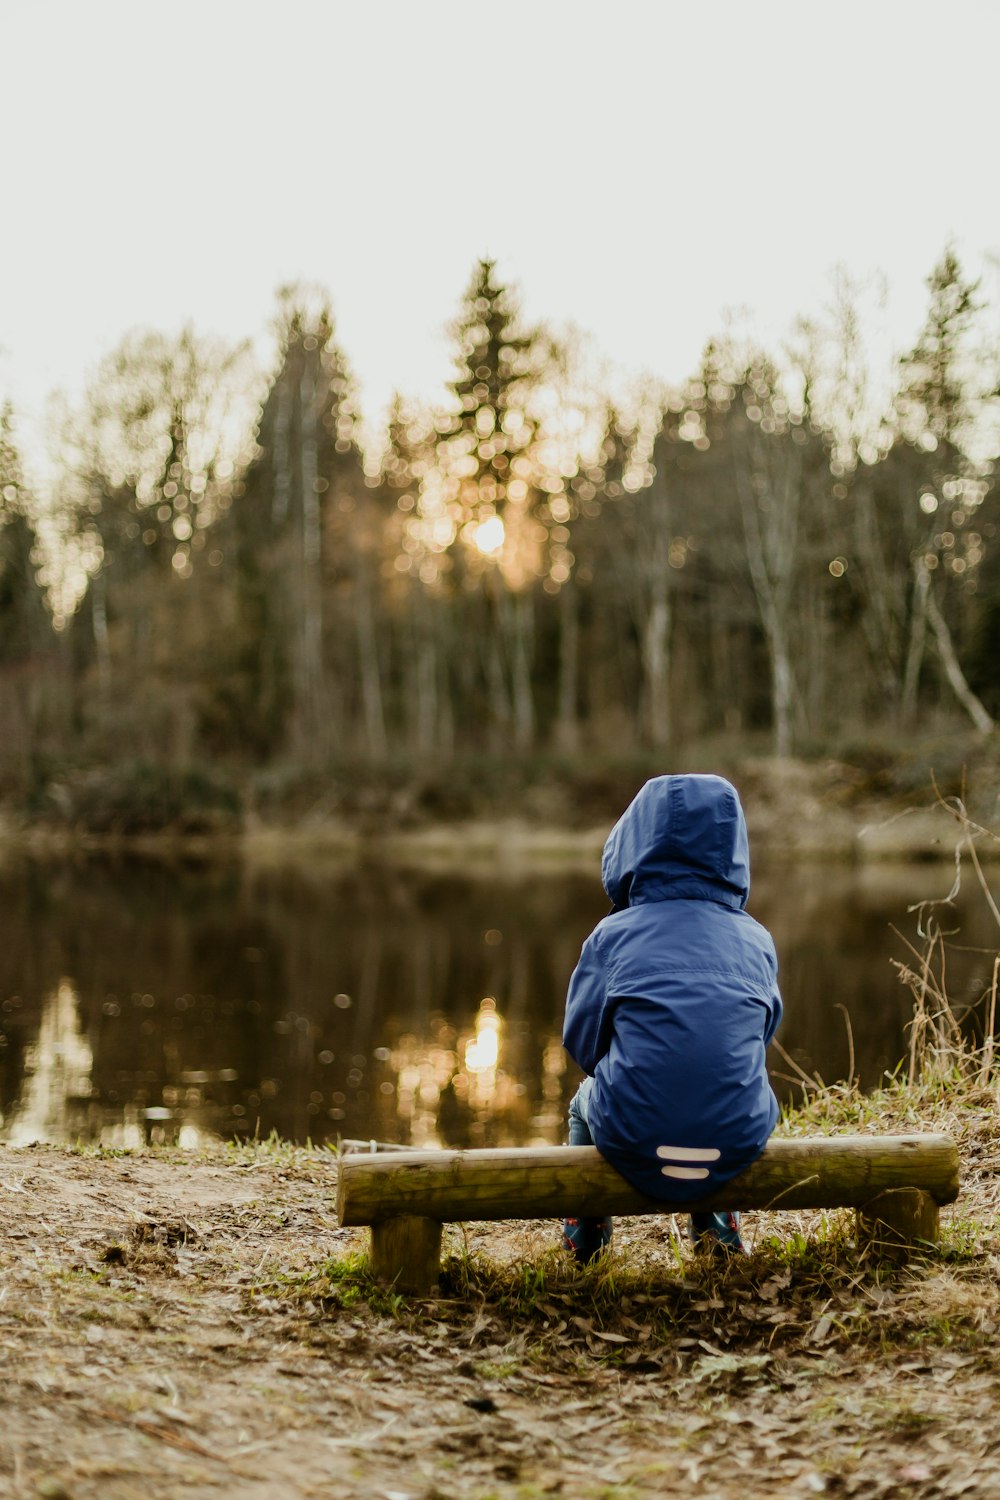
489, 535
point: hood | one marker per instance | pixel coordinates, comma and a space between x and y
681, 837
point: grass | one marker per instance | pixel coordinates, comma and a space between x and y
341, 1283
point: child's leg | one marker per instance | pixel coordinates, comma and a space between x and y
718, 1231
584, 1237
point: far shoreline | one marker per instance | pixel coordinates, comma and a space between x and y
878, 833
825, 811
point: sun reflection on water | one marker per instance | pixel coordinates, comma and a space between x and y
459, 1087
482, 1051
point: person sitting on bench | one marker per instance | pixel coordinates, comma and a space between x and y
671, 1008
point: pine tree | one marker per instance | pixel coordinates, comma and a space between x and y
487, 491
489, 438
294, 542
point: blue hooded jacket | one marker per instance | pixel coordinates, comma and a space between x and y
675, 997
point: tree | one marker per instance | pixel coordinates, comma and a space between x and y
488, 492
983, 649
27, 644
778, 469
414, 593
26, 627
636, 490
579, 554
294, 541
149, 459
939, 408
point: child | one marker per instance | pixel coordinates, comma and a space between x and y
671, 1008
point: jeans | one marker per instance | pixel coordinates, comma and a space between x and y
579, 1116
588, 1237
585, 1237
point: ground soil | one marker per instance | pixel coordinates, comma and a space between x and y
175, 1326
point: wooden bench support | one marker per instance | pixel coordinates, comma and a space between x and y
900, 1217
406, 1250
896, 1183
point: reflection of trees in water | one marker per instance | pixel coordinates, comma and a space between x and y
833, 928
274, 1000
319, 1001
55, 1089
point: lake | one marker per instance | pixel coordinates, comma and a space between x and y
179, 1002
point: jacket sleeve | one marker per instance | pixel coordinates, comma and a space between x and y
586, 1031
774, 1019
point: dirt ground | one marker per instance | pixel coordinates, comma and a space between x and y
178, 1326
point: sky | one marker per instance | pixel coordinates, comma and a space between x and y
638, 168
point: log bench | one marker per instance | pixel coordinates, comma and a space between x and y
896, 1184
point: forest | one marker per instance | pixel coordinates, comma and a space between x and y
227, 582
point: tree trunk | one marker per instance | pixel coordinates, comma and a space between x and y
879, 620
567, 712
311, 718
656, 667
770, 504
368, 662
917, 642
99, 618
953, 670
427, 696
496, 678
647, 569
782, 691
282, 476
521, 614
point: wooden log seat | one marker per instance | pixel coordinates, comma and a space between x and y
896, 1184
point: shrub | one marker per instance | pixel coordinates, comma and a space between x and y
143, 797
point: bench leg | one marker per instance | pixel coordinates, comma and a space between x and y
900, 1216
406, 1250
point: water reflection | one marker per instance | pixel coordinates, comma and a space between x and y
140, 1002
57, 1066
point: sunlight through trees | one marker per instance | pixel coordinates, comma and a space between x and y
223, 571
